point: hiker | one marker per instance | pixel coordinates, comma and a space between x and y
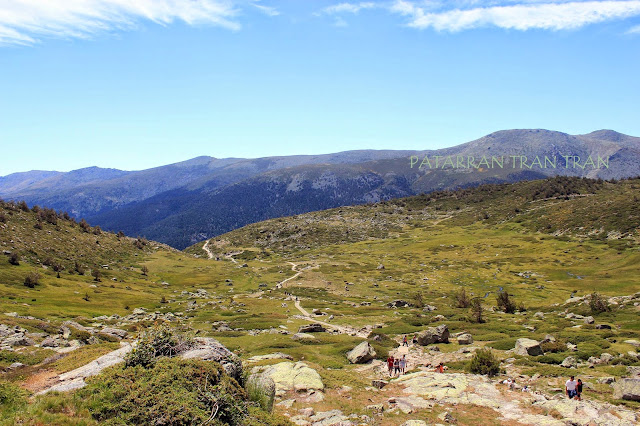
440, 368
415, 339
570, 388
403, 364
390, 365
404, 341
579, 390
396, 366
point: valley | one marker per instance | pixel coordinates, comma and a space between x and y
292, 297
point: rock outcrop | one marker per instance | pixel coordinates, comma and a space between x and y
526, 347
439, 334
289, 376
362, 353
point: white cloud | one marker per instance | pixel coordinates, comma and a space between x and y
634, 30
348, 8
523, 16
24, 21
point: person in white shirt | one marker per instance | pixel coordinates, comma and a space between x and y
570, 388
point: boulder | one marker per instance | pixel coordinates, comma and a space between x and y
50, 342
362, 353
311, 328
526, 347
414, 423
115, 332
439, 334
465, 339
606, 380
289, 376
603, 327
589, 320
627, 389
606, 358
209, 349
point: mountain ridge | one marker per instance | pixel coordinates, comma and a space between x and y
182, 203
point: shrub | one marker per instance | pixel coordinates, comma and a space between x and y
476, 311
483, 362
598, 304
145, 270
156, 342
22, 205
418, 300
505, 303
32, 279
96, 274
258, 394
97, 230
79, 268
84, 226
3, 218
12, 397
14, 259
170, 392
462, 300
553, 347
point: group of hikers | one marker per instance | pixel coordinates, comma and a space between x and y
573, 388
397, 366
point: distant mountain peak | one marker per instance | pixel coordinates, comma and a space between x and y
607, 135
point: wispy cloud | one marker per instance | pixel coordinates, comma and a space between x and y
26, 21
459, 15
267, 10
348, 8
549, 16
634, 30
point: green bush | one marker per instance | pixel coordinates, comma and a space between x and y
598, 304
483, 362
505, 303
553, 347
172, 391
156, 342
12, 399
32, 279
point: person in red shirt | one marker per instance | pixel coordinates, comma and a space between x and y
390, 364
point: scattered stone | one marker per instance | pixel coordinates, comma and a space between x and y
539, 315
606, 380
606, 358
277, 355
303, 336
589, 320
603, 327
379, 384
526, 347
632, 342
399, 304
569, 362
361, 354
115, 332
311, 328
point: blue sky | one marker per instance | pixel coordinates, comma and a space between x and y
133, 84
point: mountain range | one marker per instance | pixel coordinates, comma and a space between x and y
186, 202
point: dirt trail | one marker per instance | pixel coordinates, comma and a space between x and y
206, 248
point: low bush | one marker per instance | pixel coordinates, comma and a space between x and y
172, 391
156, 342
484, 362
32, 279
